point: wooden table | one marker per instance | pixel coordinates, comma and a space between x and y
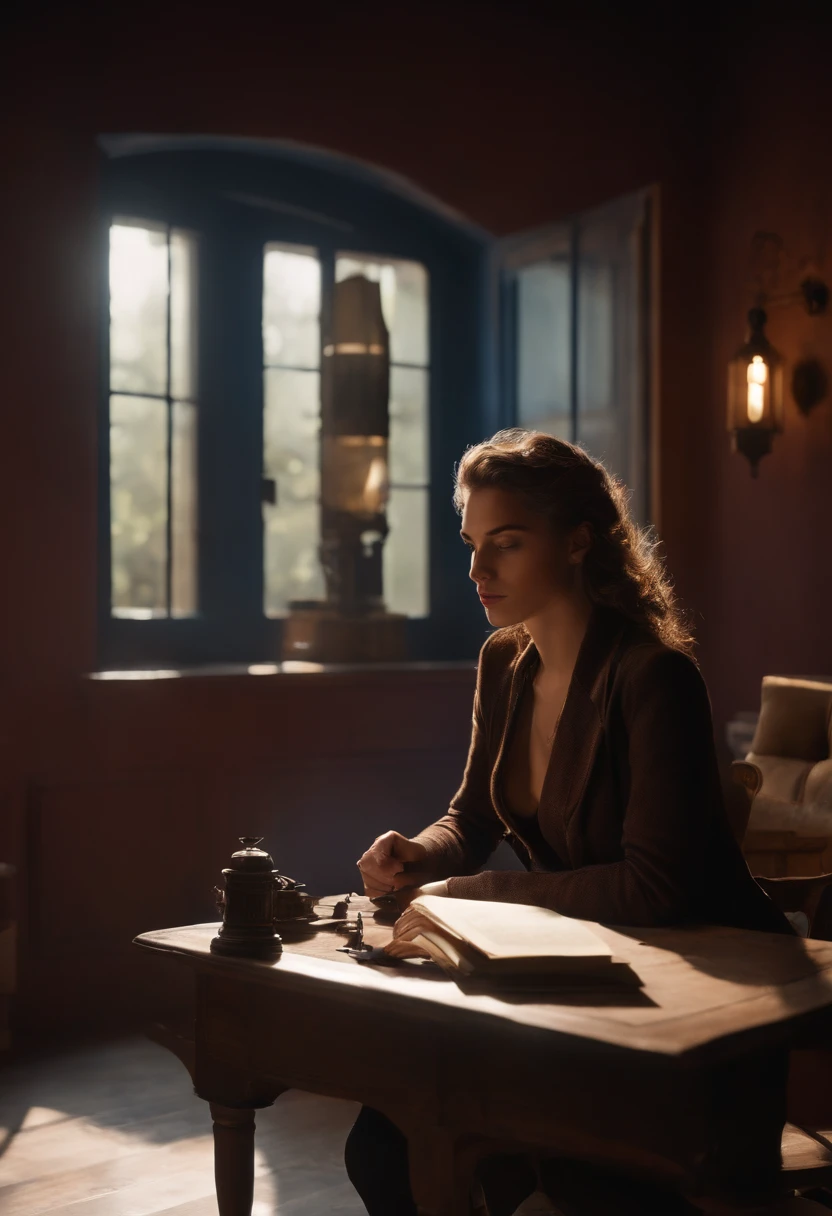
681, 1081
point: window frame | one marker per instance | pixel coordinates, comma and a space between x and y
170, 401
274, 200
563, 240
327, 253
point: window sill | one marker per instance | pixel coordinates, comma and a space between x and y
293, 671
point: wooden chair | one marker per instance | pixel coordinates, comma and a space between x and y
807, 1137
807, 901
744, 781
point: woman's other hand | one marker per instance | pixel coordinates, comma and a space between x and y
382, 867
409, 924
406, 895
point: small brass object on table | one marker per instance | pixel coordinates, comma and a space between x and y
256, 902
359, 947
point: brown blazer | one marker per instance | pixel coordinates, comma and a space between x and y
631, 803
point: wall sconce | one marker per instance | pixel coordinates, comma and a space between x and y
755, 393
756, 406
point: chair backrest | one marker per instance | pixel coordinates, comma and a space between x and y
792, 744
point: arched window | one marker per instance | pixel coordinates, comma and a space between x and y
222, 258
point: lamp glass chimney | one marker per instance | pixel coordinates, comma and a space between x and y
755, 381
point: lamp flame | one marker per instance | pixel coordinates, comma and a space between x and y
757, 375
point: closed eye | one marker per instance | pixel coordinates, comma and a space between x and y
500, 548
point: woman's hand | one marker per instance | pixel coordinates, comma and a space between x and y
409, 925
406, 895
382, 867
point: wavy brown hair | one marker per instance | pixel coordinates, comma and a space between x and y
622, 568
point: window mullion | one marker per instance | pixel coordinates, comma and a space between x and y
327, 257
169, 447
231, 444
574, 336
510, 337
104, 507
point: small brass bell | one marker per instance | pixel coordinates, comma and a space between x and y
257, 900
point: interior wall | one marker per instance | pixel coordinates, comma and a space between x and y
131, 832
512, 119
767, 604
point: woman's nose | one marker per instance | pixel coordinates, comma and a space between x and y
479, 571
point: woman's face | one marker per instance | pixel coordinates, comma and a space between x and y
520, 562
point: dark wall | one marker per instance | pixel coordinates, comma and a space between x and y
766, 601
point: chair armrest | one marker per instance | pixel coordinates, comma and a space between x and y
744, 782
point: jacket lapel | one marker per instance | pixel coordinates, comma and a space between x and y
581, 725
519, 673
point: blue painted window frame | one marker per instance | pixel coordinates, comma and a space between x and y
237, 200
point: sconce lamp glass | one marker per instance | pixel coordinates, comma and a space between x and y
755, 393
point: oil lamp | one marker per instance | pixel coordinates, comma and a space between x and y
755, 393
352, 624
355, 429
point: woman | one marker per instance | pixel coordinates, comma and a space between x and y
592, 750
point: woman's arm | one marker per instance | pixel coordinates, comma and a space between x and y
667, 822
463, 840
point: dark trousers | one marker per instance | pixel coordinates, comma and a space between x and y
376, 1159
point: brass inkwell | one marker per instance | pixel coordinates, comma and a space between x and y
258, 904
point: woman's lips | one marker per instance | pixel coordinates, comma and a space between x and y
490, 599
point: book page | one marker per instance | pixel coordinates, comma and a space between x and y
505, 931
443, 952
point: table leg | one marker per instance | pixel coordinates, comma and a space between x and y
233, 1159
441, 1171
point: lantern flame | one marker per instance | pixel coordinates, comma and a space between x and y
757, 375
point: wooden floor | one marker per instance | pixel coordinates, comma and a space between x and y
116, 1131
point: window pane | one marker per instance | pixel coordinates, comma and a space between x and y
543, 348
404, 301
405, 553
138, 308
291, 307
409, 426
182, 316
138, 506
613, 358
183, 510
291, 455
601, 426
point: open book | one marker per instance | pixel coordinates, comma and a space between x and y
511, 945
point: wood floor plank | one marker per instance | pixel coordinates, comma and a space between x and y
58, 1147
115, 1130
44, 1193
